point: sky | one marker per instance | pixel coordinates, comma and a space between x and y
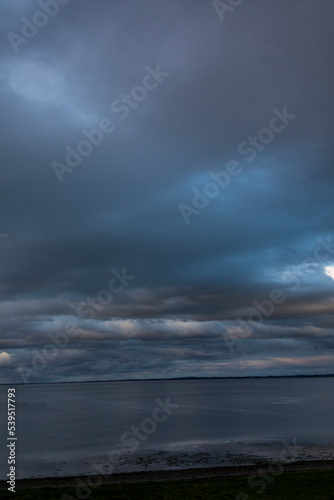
166, 189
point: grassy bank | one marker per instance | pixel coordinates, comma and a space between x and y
307, 485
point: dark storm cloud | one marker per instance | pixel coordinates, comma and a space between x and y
120, 207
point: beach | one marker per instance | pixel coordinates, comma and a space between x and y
172, 475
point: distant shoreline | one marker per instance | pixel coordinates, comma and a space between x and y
173, 378
170, 475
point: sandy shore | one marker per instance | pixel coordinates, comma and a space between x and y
171, 475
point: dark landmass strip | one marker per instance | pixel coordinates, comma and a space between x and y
173, 378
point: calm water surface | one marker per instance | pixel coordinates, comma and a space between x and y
63, 428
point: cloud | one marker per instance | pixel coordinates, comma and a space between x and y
119, 207
5, 359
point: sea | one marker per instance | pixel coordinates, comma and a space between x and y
67, 429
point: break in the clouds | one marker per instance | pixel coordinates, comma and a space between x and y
166, 189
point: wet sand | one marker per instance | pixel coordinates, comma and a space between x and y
171, 475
